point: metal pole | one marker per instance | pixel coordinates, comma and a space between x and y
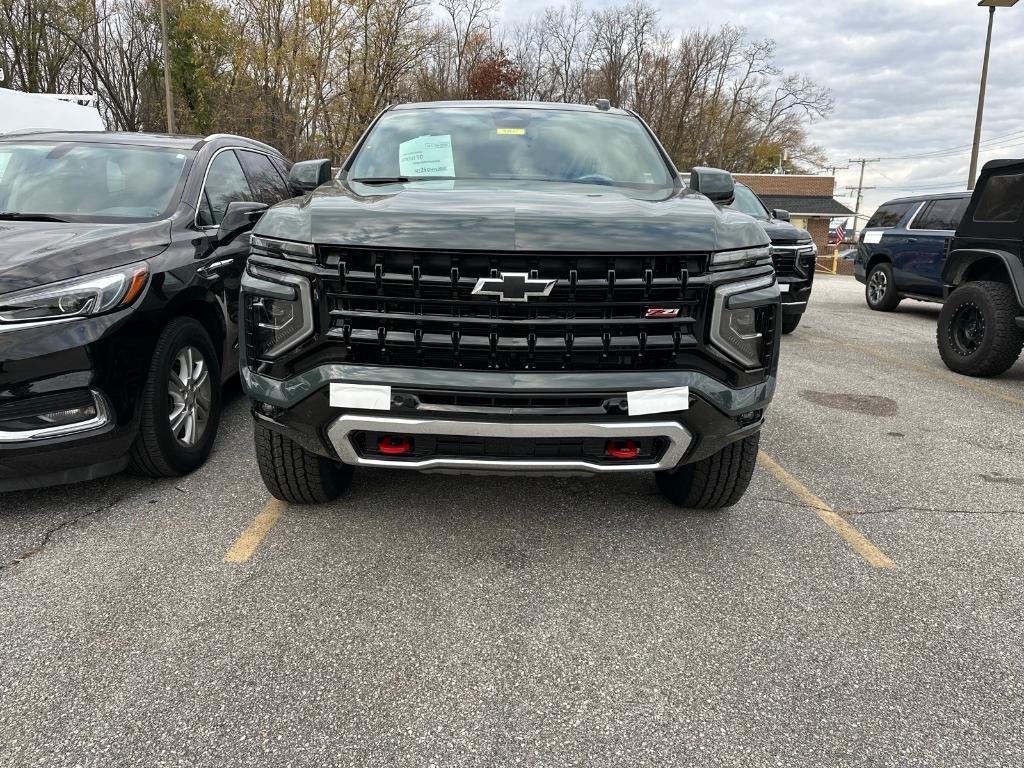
856, 207
168, 96
981, 102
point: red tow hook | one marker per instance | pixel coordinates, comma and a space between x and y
622, 449
393, 444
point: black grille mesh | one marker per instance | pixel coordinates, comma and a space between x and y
413, 308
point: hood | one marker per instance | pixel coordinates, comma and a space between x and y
784, 233
507, 216
33, 253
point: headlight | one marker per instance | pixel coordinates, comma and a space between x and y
79, 297
748, 257
735, 330
285, 249
279, 319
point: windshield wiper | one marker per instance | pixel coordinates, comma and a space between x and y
399, 179
16, 216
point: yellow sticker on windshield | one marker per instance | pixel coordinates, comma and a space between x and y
511, 131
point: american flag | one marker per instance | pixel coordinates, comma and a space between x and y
840, 232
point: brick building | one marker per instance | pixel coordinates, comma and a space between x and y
809, 200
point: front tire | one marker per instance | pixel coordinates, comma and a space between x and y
718, 481
293, 474
880, 291
790, 322
181, 401
976, 334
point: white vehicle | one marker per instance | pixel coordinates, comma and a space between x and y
40, 112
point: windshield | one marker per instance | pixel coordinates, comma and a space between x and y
748, 203
497, 143
88, 182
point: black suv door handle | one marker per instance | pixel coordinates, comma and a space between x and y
210, 270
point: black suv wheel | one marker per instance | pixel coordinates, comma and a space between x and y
977, 335
880, 292
293, 474
180, 403
720, 480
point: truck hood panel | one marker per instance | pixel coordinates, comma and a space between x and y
491, 216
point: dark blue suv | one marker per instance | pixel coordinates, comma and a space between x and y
903, 247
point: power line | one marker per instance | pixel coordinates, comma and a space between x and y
936, 153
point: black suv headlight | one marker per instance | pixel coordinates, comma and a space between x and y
79, 297
278, 310
734, 330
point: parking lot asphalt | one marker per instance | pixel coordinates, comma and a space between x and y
436, 620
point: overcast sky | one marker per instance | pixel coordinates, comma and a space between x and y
904, 75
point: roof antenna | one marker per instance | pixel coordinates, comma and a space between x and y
603, 104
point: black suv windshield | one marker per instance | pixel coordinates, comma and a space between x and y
504, 143
747, 202
88, 182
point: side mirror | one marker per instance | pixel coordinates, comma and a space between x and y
714, 183
780, 214
306, 176
239, 217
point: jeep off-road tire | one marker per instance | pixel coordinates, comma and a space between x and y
186, 362
976, 334
293, 474
790, 322
880, 291
718, 481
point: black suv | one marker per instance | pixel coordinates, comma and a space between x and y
981, 325
793, 253
121, 257
510, 287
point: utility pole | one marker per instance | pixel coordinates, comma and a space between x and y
971, 174
860, 190
168, 96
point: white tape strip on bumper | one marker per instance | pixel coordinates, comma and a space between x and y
370, 397
647, 401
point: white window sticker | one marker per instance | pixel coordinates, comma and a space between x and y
426, 156
873, 235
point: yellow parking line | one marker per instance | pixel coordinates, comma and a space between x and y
850, 535
242, 549
964, 381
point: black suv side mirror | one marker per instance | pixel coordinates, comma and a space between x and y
714, 183
780, 214
238, 217
306, 176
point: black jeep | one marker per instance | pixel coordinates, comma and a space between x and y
981, 326
510, 287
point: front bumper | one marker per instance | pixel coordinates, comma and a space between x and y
796, 292
860, 271
47, 364
562, 439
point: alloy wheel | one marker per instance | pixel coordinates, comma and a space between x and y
189, 393
877, 286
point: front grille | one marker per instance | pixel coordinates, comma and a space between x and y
792, 260
414, 308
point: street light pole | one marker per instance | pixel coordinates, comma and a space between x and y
972, 174
168, 95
